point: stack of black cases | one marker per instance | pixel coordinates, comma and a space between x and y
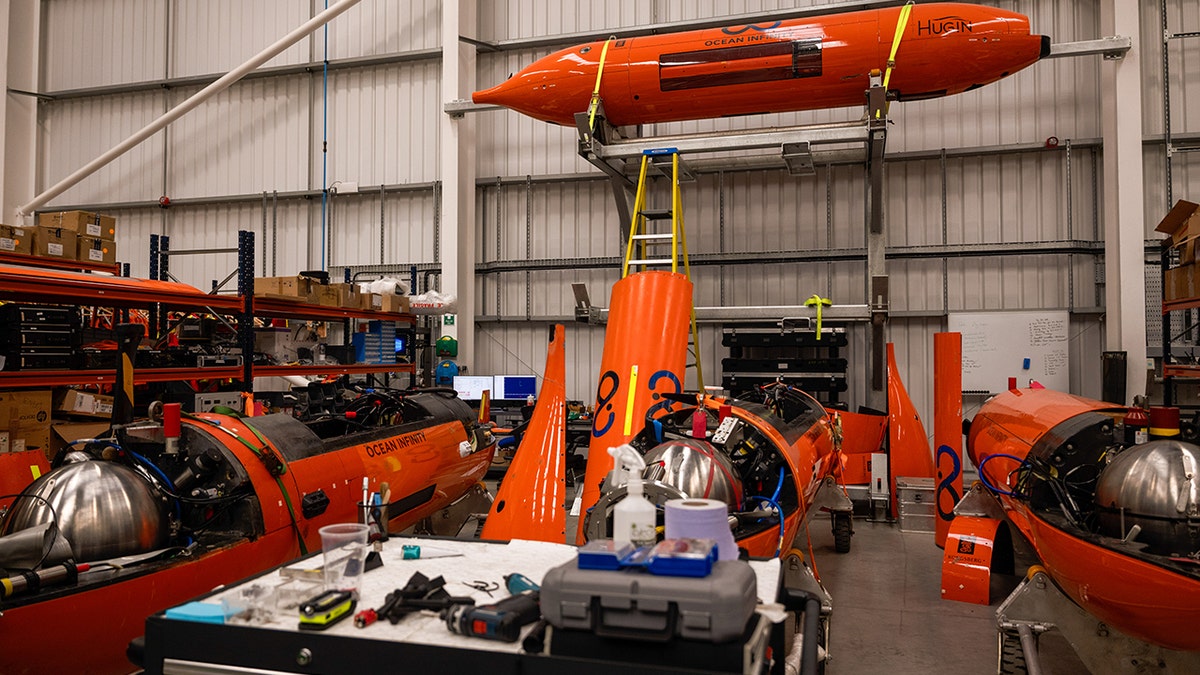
39, 337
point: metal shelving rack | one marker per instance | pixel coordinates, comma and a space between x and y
1172, 371
56, 285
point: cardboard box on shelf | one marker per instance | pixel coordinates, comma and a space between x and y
75, 402
371, 301
267, 286
16, 240
62, 434
1180, 283
348, 295
26, 417
1181, 223
1187, 252
396, 303
97, 250
82, 223
325, 294
55, 243
298, 288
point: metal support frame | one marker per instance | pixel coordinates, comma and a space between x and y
1112, 47
1038, 605
603, 147
877, 280
585, 312
829, 497
245, 327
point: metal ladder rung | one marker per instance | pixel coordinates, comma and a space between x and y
653, 261
655, 214
664, 237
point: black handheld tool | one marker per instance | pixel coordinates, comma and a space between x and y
498, 621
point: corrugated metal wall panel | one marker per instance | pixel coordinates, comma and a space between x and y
567, 220
408, 228
215, 227
520, 349
1182, 16
134, 228
537, 18
373, 28
247, 139
213, 36
89, 43
382, 125
509, 144
71, 136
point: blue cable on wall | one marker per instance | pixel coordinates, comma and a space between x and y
324, 138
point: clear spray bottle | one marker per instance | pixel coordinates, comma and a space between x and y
634, 517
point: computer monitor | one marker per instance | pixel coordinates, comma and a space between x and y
471, 387
401, 343
514, 387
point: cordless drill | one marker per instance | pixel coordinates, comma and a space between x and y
498, 621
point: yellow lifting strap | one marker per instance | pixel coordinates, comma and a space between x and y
905, 11
818, 302
595, 103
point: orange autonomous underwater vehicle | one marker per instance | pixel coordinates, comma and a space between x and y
162, 510
795, 64
772, 456
1115, 525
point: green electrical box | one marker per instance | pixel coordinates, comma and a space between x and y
447, 346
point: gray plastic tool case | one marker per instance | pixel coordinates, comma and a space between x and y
632, 603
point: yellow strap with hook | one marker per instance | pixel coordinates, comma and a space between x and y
901, 24
819, 302
595, 103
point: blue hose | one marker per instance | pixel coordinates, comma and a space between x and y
987, 483
778, 486
779, 511
158, 472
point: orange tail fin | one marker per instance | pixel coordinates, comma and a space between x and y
529, 504
910, 453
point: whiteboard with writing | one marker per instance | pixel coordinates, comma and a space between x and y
1024, 345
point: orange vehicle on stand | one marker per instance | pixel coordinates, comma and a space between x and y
1114, 525
164, 509
779, 66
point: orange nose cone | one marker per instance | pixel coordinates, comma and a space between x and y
551, 89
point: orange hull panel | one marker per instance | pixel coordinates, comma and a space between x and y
529, 503
910, 454
771, 67
86, 633
967, 560
1141, 599
97, 622
645, 354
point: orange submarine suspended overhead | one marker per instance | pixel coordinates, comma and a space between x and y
811, 63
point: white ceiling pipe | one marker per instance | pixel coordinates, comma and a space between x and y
180, 110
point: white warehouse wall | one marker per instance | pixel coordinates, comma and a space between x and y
537, 199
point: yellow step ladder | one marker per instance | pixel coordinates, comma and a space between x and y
649, 245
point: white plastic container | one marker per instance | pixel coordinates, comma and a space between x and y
634, 517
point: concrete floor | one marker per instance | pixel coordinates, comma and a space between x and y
888, 615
